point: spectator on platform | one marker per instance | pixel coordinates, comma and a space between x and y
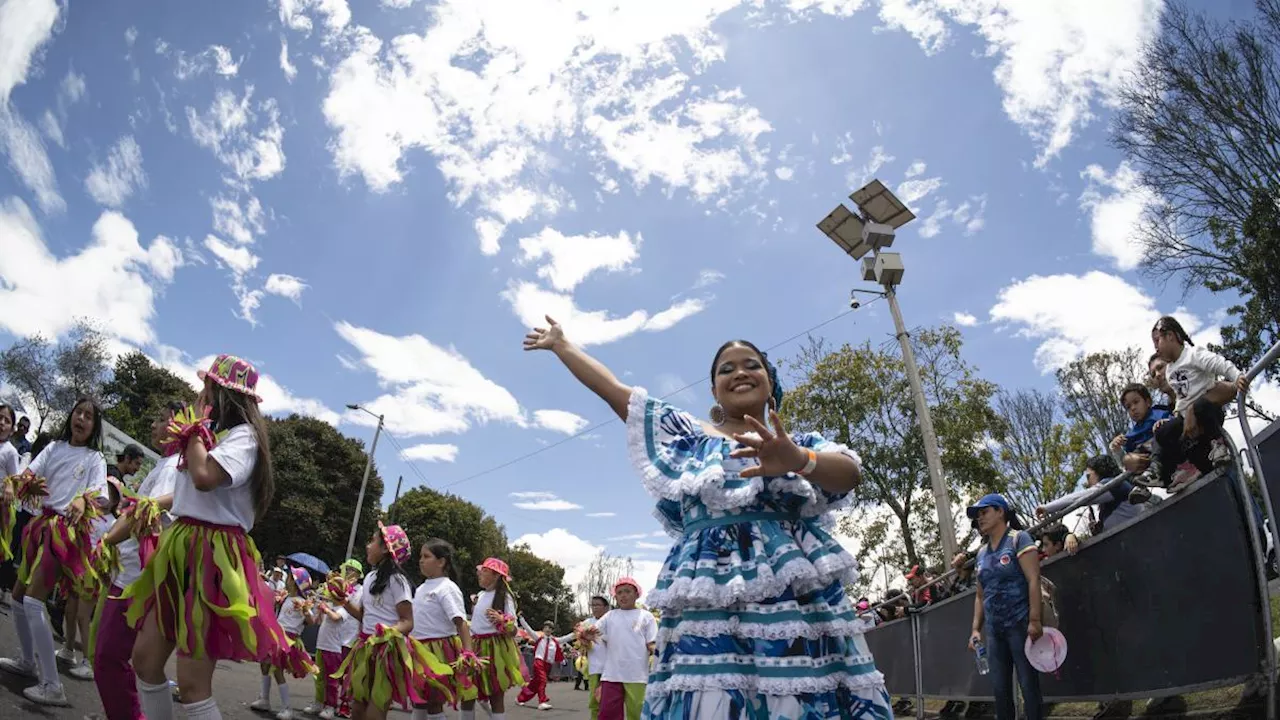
917, 580
1136, 444
1008, 604
19, 437
1114, 507
1055, 540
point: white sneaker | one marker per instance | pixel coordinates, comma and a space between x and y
15, 666
520, 703
285, 714
82, 671
47, 695
328, 714
260, 704
66, 655
545, 706
313, 709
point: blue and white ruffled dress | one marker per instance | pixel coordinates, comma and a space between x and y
755, 621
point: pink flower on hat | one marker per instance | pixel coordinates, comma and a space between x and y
301, 578
497, 566
397, 542
234, 374
626, 581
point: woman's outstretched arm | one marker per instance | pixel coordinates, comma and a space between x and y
589, 371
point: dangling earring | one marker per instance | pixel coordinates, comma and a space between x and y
717, 415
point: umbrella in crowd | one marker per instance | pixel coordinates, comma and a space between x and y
310, 562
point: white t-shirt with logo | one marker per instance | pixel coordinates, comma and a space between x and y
382, 608
69, 472
480, 624
351, 626
436, 603
231, 504
330, 636
158, 483
628, 634
291, 617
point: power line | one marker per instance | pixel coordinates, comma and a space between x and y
610, 421
412, 466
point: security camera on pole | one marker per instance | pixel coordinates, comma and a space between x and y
881, 213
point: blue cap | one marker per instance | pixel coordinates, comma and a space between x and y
993, 500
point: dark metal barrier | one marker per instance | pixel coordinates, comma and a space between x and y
1137, 606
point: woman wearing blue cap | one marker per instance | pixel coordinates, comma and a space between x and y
1009, 600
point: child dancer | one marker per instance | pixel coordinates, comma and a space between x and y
387, 666
440, 624
354, 574
8, 456
546, 652
330, 652
493, 630
82, 596
200, 593
54, 544
630, 634
293, 615
112, 639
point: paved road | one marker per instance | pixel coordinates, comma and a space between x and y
236, 685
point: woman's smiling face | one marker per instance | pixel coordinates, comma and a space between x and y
742, 384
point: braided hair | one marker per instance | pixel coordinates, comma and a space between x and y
764, 358
1170, 324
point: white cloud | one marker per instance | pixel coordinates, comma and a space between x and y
561, 421
542, 500
531, 303
130, 35
568, 260
293, 13
72, 89
238, 259
290, 70
216, 58
113, 183
913, 191
25, 25
785, 173
564, 549
286, 286
430, 453
28, 158
533, 495
496, 103
964, 319
602, 514
646, 545
1056, 58
52, 129
228, 129
969, 216
627, 538
917, 167
238, 222
1116, 203
861, 176
430, 389
707, 278
115, 278
277, 400
1074, 315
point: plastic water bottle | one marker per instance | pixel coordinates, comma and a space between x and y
980, 656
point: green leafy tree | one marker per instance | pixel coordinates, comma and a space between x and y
136, 392
1040, 456
860, 396
1198, 121
317, 478
539, 586
475, 535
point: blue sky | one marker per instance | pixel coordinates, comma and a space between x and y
372, 201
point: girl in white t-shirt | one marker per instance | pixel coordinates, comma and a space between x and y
440, 624
493, 632
294, 614
201, 593
384, 666
55, 544
8, 468
338, 632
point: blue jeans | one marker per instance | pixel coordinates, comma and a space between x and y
1005, 653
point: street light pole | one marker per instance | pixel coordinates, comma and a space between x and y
946, 527
364, 484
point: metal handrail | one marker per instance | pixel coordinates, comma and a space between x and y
1251, 448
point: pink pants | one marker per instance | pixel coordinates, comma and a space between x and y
331, 661
112, 664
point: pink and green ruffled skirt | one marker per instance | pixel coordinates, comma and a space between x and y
55, 551
293, 658
389, 668
503, 669
203, 587
447, 650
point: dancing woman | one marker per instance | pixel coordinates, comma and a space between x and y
755, 621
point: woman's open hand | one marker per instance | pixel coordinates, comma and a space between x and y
544, 338
777, 453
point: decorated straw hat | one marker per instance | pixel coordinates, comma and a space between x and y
397, 542
497, 566
233, 373
301, 578
626, 581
